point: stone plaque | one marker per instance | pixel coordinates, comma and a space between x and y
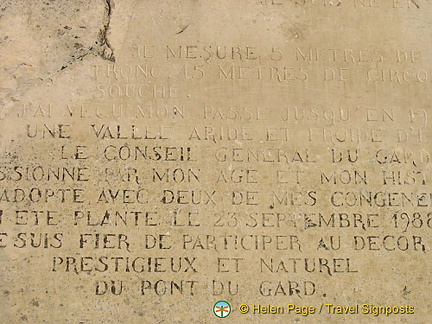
182, 161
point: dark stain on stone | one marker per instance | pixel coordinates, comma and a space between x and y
35, 303
406, 292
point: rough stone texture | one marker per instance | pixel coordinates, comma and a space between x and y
280, 116
42, 38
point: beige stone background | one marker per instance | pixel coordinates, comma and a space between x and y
73, 64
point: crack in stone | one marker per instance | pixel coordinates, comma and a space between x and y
182, 30
106, 51
75, 59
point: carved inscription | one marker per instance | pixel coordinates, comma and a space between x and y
279, 160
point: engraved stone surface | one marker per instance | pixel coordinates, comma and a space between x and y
161, 156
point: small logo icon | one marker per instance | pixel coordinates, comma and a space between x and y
222, 309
